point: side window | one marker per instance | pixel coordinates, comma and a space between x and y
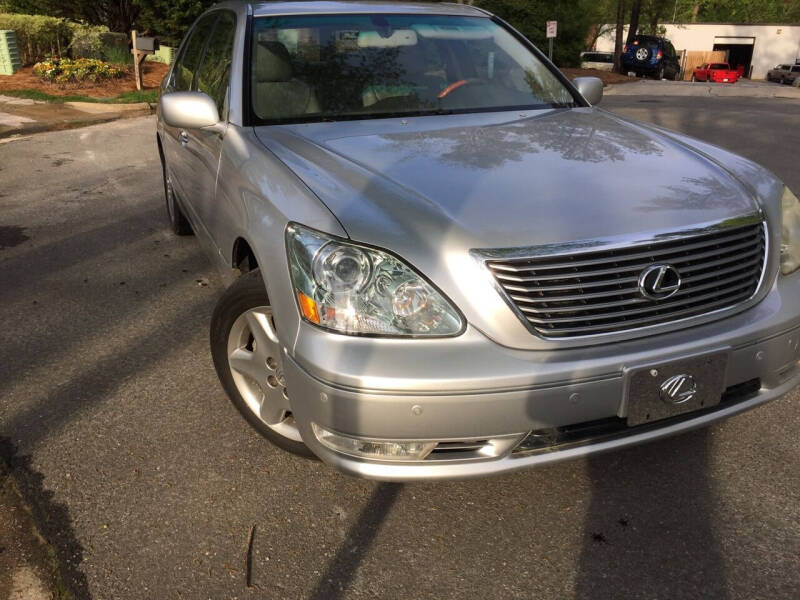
187, 65
215, 71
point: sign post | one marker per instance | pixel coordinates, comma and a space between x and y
552, 29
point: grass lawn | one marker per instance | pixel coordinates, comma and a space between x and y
124, 98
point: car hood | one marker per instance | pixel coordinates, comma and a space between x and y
432, 189
544, 178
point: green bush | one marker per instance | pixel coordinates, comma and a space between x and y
116, 48
87, 40
38, 36
67, 70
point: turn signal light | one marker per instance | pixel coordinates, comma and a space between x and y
308, 307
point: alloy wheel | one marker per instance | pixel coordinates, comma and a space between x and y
254, 356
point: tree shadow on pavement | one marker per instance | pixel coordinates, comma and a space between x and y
342, 568
52, 519
649, 526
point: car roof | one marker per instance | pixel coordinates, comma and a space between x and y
385, 6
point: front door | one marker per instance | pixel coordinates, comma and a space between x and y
181, 154
212, 78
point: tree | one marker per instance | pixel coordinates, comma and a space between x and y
636, 9
117, 15
618, 36
654, 13
739, 11
574, 17
170, 19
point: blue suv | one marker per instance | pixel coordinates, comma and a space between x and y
651, 56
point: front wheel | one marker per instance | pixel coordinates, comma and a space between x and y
247, 357
694, 78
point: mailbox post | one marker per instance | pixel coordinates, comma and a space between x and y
141, 47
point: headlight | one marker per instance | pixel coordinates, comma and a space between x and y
790, 232
359, 290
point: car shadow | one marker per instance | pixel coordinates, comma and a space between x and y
648, 528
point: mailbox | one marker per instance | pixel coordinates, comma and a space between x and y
141, 47
147, 44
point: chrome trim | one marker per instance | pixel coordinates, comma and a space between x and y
615, 242
656, 290
484, 256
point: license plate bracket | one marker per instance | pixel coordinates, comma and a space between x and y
662, 391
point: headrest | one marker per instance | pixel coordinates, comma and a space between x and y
399, 37
273, 62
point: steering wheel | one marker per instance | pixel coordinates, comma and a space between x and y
455, 85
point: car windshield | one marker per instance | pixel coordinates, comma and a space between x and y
720, 66
333, 67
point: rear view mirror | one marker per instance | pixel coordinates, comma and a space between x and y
590, 88
189, 110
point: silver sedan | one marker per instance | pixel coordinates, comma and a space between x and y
445, 261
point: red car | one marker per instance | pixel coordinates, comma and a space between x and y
716, 73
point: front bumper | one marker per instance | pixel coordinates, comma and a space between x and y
469, 388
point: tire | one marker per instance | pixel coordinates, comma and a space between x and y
694, 79
796, 82
177, 220
659, 75
243, 333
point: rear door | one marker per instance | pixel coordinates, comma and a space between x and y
180, 154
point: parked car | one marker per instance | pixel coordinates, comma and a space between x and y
602, 61
651, 56
779, 73
445, 262
715, 73
793, 76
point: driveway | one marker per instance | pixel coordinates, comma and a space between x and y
149, 485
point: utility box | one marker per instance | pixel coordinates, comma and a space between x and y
165, 54
10, 61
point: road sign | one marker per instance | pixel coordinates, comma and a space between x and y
552, 28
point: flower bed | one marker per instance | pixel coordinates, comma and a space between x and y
67, 70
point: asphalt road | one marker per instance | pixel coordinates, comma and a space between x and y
148, 483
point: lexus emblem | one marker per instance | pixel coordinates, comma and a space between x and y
678, 389
659, 282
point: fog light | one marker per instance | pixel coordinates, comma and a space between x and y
381, 449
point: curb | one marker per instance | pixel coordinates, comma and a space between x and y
103, 108
45, 126
701, 91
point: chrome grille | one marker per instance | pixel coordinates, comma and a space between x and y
597, 292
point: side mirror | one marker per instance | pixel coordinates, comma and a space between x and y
189, 110
590, 88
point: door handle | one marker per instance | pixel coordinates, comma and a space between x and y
183, 138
